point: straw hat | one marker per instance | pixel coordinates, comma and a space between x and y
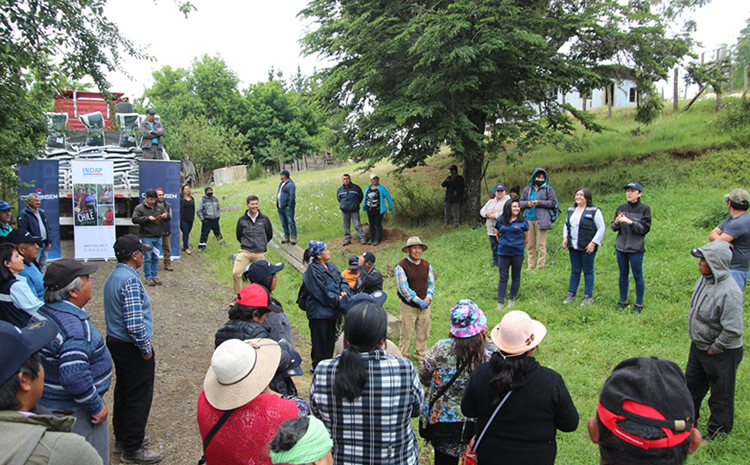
414, 240
517, 333
240, 370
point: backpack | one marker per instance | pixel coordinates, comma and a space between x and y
555, 212
302, 296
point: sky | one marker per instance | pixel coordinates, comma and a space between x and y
252, 36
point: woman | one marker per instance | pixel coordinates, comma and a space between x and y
632, 222
492, 210
17, 301
523, 430
187, 216
367, 398
512, 236
376, 198
454, 358
326, 288
301, 441
91, 201
583, 233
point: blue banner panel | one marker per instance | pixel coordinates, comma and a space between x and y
164, 174
43, 175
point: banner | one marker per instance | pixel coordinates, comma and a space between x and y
43, 177
93, 208
164, 174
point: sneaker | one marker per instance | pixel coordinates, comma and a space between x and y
285, 240
376, 243
187, 251
570, 298
141, 455
363, 241
347, 242
117, 449
157, 282
587, 300
168, 267
622, 306
369, 242
511, 303
500, 306
293, 240
637, 309
201, 248
150, 282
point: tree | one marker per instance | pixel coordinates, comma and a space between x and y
741, 57
477, 75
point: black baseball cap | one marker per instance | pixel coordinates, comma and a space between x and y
353, 262
377, 297
21, 236
369, 257
129, 243
150, 111
260, 270
18, 344
62, 272
634, 185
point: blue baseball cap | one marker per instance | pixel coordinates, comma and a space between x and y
18, 344
4, 206
634, 185
377, 297
294, 365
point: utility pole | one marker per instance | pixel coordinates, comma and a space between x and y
676, 98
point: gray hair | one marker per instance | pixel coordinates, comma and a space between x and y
31, 197
64, 293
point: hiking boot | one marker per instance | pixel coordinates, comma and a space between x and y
168, 267
622, 306
157, 282
587, 300
376, 243
347, 242
293, 240
369, 242
285, 240
570, 298
363, 242
150, 282
141, 455
117, 449
637, 309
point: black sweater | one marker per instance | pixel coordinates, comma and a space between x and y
631, 238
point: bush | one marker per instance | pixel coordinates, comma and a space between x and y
736, 120
255, 171
417, 201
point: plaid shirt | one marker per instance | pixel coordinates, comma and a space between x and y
402, 283
376, 427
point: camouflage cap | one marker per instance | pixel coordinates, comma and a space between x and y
739, 197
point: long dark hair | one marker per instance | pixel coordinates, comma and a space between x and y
586, 195
508, 212
505, 370
365, 326
469, 349
6, 254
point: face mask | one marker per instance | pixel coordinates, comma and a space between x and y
538, 183
209, 194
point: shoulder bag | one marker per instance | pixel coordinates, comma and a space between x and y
424, 426
223, 419
470, 454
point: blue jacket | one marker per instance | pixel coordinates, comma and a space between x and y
324, 287
384, 197
349, 197
27, 220
288, 198
34, 278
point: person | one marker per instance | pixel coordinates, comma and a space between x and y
246, 318
187, 217
715, 326
515, 192
415, 282
166, 233
367, 398
130, 330
632, 222
645, 415
537, 402
352, 273
454, 358
286, 200
17, 301
492, 210
109, 217
106, 196
26, 437
301, 441
454, 191
369, 279
152, 132
91, 203
377, 198
34, 220
77, 364
236, 388
350, 197
151, 217
254, 232
208, 212
80, 200
28, 248
326, 288
538, 200
512, 237
5, 217
582, 236
735, 229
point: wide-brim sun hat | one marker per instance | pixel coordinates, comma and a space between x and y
239, 371
414, 240
517, 333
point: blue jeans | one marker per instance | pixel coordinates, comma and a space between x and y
493, 246
186, 227
739, 276
504, 263
456, 207
287, 221
635, 262
346, 217
41, 257
150, 258
581, 261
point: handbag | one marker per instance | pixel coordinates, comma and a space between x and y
424, 426
469, 456
213, 432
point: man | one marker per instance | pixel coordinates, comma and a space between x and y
286, 199
254, 232
492, 210
34, 220
152, 131
5, 218
715, 325
130, 327
645, 415
77, 364
166, 229
416, 287
27, 438
350, 274
735, 229
350, 198
150, 216
28, 248
208, 212
369, 279
538, 200
454, 190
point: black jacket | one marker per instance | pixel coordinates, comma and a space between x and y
254, 237
27, 220
631, 238
149, 228
368, 282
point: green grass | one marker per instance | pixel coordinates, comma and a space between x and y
685, 164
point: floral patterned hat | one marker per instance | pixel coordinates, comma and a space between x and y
467, 319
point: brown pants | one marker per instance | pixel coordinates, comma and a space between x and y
414, 320
244, 258
166, 246
537, 246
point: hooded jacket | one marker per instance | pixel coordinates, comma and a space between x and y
715, 317
546, 196
208, 208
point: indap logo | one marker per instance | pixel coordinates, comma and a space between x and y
92, 171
